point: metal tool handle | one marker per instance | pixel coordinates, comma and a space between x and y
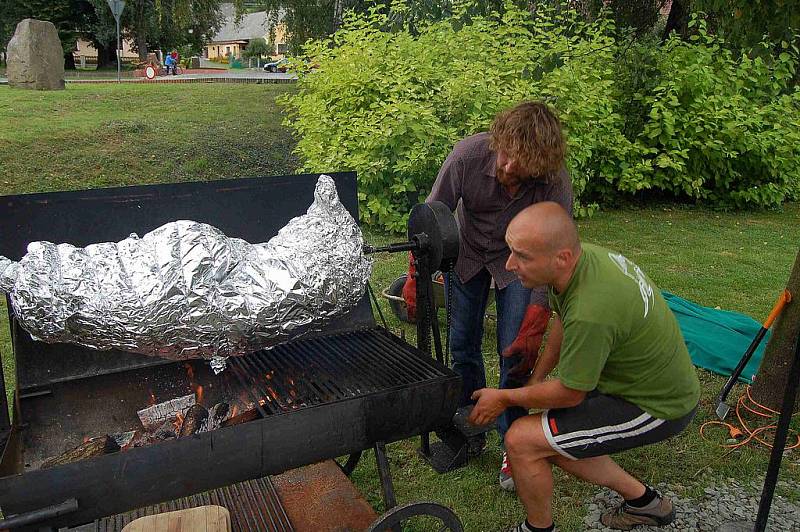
783, 299
37, 516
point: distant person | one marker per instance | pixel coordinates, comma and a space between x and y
169, 63
176, 61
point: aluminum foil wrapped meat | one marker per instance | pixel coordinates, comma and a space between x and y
185, 290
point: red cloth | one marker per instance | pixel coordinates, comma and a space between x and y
410, 290
528, 340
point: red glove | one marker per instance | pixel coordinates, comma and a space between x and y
410, 290
529, 340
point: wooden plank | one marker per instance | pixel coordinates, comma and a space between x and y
321, 497
219, 519
200, 519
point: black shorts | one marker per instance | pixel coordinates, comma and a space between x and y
604, 424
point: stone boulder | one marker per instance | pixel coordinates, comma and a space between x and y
35, 56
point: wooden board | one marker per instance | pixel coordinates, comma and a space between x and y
321, 497
200, 519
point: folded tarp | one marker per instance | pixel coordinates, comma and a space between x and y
717, 339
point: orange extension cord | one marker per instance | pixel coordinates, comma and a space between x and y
744, 433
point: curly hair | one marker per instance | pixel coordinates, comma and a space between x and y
530, 133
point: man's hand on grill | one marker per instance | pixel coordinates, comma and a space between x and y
410, 290
528, 340
491, 403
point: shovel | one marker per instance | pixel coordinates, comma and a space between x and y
722, 407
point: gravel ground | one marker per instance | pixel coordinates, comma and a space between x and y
728, 502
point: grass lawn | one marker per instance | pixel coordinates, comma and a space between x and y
105, 135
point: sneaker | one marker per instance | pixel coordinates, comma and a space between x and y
523, 528
624, 517
506, 480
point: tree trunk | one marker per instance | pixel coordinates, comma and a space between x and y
141, 46
338, 9
771, 379
105, 56
69, 61
678, 19
140, 27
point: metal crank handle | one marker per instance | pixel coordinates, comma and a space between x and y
37, 516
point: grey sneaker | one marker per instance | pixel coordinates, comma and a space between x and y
625, 517
506, 480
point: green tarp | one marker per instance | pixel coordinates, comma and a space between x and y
717, 339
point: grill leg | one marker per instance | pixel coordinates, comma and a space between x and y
389, 500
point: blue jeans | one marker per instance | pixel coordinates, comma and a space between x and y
466, 334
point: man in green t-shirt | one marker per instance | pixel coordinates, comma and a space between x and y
625, 378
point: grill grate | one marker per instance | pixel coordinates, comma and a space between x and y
254, 506
322, 370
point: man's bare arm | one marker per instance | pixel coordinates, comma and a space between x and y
548, 394
548, 359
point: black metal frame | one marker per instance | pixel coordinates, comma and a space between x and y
779, 444
252, 209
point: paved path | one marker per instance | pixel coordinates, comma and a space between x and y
223, 76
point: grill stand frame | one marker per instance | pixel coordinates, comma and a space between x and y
244, 208
451, 452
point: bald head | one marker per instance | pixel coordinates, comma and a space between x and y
548, 225
544, 245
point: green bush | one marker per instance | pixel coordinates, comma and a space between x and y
390, 105
723, 126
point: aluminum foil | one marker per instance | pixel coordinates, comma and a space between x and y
185, 290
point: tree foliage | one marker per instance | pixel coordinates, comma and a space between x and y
70, 17
257, 48
306, 20
744, 23
148, 23
689, 119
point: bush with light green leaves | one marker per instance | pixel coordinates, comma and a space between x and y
723, 126
391, 104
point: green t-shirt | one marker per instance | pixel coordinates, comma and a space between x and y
621, 338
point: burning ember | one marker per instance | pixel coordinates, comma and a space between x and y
189, 414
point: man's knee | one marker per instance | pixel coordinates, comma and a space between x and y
525, 436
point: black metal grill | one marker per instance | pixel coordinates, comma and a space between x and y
323, 397
322, 370
254, 506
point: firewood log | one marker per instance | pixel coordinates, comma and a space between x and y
247, 415
216, 415
193, 420
94, 447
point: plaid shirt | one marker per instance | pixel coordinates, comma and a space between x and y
467, 183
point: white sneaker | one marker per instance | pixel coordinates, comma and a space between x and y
506, 480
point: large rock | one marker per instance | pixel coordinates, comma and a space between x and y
35, 56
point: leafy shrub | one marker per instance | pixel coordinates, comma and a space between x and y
392, 105
722, 126
688, 118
